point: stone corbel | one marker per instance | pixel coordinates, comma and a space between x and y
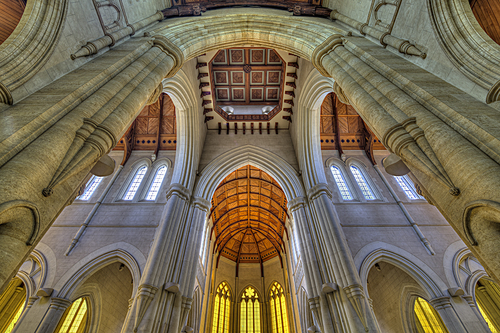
340, 94
180, 191
201, 203
314, 192
145, 295
186, 307
7, 210
357, 298
155, 95
315, 306
408, 141
296, 203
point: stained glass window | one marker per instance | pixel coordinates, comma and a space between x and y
341, 184
363, 185
156, 184
250, 312
407, 186
74, 319
279, 315
134, 184
12, 302
488, 302
222, 307
90, 188
427, 319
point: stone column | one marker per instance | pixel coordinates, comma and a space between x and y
480, 323
31, 300
43, 162
53, 315
448, 315
453, 172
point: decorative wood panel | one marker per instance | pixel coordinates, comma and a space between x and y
487, 13
12, 11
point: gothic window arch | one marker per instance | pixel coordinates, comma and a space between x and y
363, 180
221, 309
90, 188
279, 309
12, 304
408, 187
427, 319
134, 183
156, 183
250, 311
343, 183
75, 318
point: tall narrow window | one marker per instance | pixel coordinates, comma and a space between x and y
407, 185
341, 184
134, 184
222, 306
74, 318
488, 302
363, 185
156, 184
279, 316
12, 302
90, 188
427, 319
250, 312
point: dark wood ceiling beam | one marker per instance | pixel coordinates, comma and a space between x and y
260, 255
222, 236
337, 124
160, 100
277, 218
240, 68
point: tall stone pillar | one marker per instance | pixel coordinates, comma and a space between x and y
53, 315
44, 159
454, 173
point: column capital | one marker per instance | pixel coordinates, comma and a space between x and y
441, 302
180, 190
324, 48
318, 190
57, 302
296, 203
171, 50
201, 203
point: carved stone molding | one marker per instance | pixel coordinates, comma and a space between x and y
173, 51
324, 48
24, 53
179, 190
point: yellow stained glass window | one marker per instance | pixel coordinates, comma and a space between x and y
427, 319
279, 314
74, 319
15, 319
250, 312
488, 302
12, 302
222, 309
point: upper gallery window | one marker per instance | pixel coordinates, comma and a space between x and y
74, 318
222, 307
341, 183
135, 183
279, 316
362, 183
407, 186
156, 184
250, 312
427, 319
90, 188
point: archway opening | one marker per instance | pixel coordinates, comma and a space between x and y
488, 301
12, 304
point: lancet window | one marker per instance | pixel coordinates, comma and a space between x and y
362, 183
427, 319
135, 183
222, 308
156, 184
12, 302
407, 186
341, 183
488, 302
250, 312
90, 188
74, 319
279, 314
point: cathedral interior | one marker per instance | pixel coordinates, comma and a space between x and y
249, 166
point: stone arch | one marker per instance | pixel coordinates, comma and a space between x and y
224, 164
118, 252
414, 267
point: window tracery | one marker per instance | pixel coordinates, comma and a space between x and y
135, 183
407, 186
222, 307
345, 192
250, 311
90, 188
156, 184
362, 183
74, 319
279, 314
427, 319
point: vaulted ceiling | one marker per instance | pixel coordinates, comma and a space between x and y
248, 214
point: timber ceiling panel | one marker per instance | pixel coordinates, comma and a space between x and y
343, 129
248, 214
155, 128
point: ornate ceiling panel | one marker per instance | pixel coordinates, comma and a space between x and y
248, 214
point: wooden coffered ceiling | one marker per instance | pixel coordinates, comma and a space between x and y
155, 128
249, 214
343, 129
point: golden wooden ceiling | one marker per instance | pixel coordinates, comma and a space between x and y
248, 214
